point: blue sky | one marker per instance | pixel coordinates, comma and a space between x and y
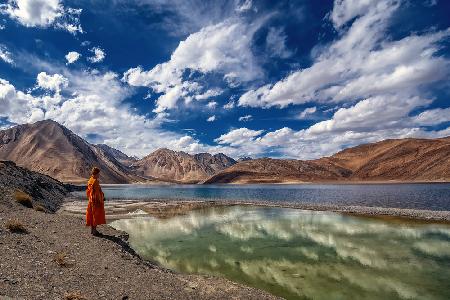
297, 79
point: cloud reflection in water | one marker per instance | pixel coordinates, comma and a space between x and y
301, 254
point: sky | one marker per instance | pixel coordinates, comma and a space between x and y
286, 79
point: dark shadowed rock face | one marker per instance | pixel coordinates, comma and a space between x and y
180, 166
43, 189
52, 149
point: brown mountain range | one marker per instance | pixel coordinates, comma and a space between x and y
389, 160
180, 166
54, 150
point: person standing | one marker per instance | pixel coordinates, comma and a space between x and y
95, 212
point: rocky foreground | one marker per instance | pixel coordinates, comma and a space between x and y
52, 256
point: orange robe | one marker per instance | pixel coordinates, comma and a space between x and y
95, 212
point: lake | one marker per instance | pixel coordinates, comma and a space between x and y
301, 254
417, 196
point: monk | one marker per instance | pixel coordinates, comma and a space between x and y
95, 212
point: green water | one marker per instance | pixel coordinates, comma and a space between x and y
301, 254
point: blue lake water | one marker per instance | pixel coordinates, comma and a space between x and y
301, 254
435, 196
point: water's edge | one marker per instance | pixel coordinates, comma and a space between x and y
121, 208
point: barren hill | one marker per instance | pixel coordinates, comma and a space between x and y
398, 160
403, 159
269, 170
52, 149
179, 166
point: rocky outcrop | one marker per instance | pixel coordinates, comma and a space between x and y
43, 190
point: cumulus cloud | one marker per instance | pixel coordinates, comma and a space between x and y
361, 63
224, 48
212, 104
99, 55
15, 105
93, 103
230, 104
52, 82
5, 55
72, 57
375, 81
433, 116
211, 119
307, 111
245, 118
239, 136
43, 13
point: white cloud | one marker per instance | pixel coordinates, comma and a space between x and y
224, 48
361, 63
239, 136
244, 6
52, 82
245, 118
99, 55
5, 55
276, 43
211, 119
72, 57
93, 104
307, 111
43, 13
230, 105
380, 79
433, 116
15, 105
212, 104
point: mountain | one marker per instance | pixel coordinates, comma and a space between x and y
269, 170
401, 159
175, 166
52, 149
117, 154
397, 160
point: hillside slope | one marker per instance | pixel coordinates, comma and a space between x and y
396, 160
52, 149
43, 189
405, 159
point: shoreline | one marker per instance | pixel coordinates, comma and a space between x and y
164, 208
343, 182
